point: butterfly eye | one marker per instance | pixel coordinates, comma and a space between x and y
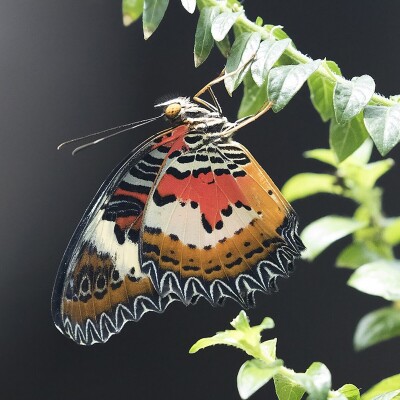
172, 110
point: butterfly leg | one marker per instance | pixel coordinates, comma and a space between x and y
208, 87
248, 120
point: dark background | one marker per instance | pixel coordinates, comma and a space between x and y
68, 68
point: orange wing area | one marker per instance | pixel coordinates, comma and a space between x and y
99, 301
218, 229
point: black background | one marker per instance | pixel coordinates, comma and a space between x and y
68, 68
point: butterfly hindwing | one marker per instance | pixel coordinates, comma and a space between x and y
216, 226
100, 284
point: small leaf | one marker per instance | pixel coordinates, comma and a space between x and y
253, 99
350, 391
267, 55
355, 255
224, 46
277, 31
391, 233
379, 278
284, 82
395, 98
388, 395
306, 184
350, 97
243, 50
373, 171
377, 326
326, 156
361, 156
189, 5
254, 374
383, 125
204, 41
287, 389
268, 349
223, 24
243, 337
345, 139
131, 10
384, 386
316, 381
321, 91
323, 232
241, 322
153, 13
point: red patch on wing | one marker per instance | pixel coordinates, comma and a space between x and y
175, 135
212, 193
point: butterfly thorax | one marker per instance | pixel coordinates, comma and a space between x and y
205, 124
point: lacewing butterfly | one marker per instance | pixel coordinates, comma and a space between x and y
188, 214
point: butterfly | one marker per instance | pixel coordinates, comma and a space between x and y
188, 214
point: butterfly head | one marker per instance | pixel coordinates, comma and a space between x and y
181, 110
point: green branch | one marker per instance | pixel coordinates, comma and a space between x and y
272, 69
289, 385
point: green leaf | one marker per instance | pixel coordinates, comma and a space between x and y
306, 184
204, 42
388, 395
287, 389
361, 156
379, 278
153, 13
243, 337
131, 10
284, 82
391, 233
267, 55
189, 5
254, 374
253, 99
316, 380
223, 24
277, 31
326, 156
383, 125
384, 386
377, 326
323, 232
355, 255
345, 139
224, 46
268, 349
350, 97
373, 171
350, 391
321, 91
243, 50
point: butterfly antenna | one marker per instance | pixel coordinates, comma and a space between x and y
130, 126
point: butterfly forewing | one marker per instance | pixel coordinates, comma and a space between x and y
100, 284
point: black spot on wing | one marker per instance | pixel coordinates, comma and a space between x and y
163, 200
206, 224
177, 174
197, 172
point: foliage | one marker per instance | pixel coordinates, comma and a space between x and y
289, 385
275, 70
271, 68
374, 235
